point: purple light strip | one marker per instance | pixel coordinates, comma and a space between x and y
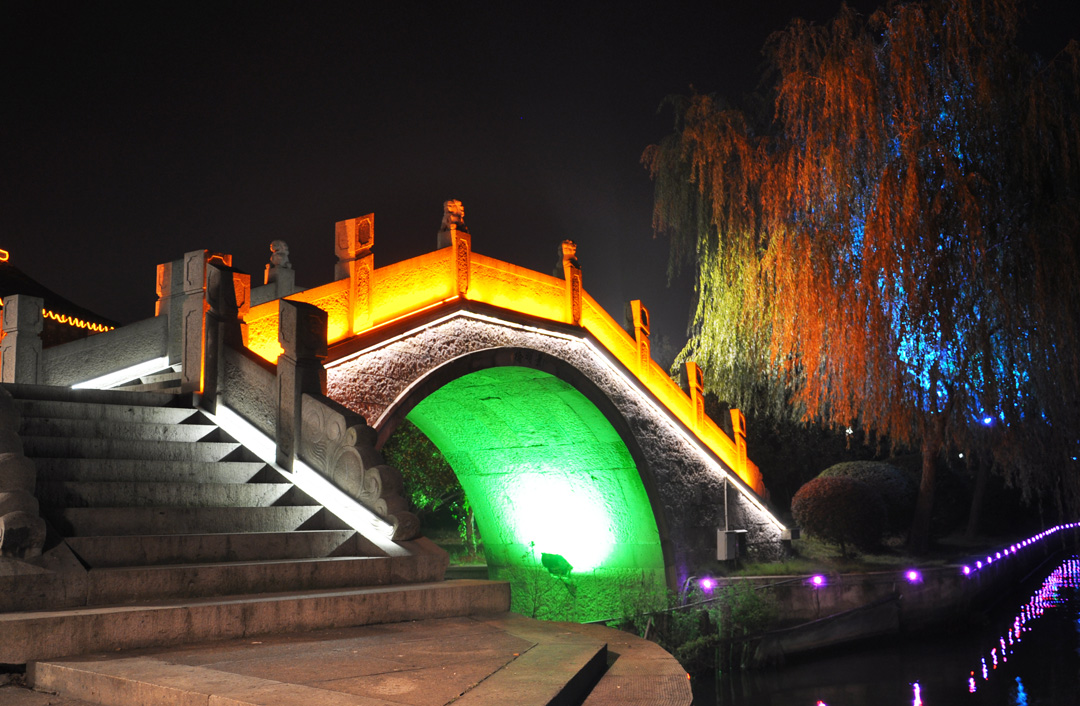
1012, 550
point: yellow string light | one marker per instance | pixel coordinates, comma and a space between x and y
76, 321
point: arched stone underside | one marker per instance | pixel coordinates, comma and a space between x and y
685, 483
551, 483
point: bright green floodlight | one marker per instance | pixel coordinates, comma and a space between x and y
558, 518
546, 474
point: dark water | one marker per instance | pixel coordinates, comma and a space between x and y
1028, 654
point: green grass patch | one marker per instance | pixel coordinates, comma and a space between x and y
813, 556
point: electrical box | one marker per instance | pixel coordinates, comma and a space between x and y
730, 544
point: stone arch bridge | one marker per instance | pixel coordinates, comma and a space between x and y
578, 453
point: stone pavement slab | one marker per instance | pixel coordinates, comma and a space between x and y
479, 660
16, 696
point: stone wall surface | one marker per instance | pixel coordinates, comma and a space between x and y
250, 388
107, 352
685, 485
22, 531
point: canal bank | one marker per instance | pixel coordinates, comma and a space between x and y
1025, 649
826, 611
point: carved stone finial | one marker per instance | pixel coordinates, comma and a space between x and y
453, 219
279, 255
453, 216
279, 262
567, 255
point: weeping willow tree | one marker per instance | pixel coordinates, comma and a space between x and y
893, 242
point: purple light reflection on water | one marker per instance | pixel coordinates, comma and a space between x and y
1049, 595
886, 673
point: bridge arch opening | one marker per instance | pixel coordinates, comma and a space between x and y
558, 493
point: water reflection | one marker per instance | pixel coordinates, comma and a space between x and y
1055, 592
1027, 655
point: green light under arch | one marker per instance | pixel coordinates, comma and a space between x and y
546, 473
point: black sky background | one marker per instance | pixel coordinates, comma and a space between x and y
131, 133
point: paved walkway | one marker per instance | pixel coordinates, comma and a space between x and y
502, 659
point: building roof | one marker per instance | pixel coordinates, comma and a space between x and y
57, 308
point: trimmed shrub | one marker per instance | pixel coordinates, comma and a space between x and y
840, 510
896, 488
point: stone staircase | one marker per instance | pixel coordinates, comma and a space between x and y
165, 381
163, 529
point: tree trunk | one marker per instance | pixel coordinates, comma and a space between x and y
470, 532
919, 537
982, 475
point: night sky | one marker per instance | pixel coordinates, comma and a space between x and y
131, 133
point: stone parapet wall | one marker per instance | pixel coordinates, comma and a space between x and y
104, 353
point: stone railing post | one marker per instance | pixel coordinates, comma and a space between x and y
696, 383
228, 299
302, 335
170, 304
192, 336
20, 348
354, 240
738, 433
571, 271
641, 337
453, 233
333, 440
461, 242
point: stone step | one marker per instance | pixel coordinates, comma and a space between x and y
147, 681
153, 583
118, 397
163, 387
163, 549
547, 675
170, 376
94, 521
110, 469
56, 447
54, 409
128, 431
163, 381
70, 494
40, 635
423, 662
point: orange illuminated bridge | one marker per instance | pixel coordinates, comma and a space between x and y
581, 458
